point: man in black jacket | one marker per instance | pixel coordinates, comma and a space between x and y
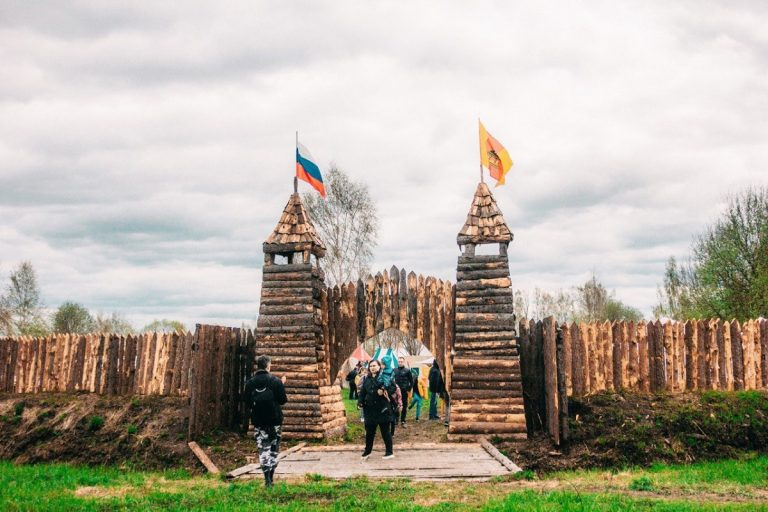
264, 393
436, 389
404, 380
351, 376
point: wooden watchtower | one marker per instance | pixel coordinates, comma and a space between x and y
290, 326
486, 386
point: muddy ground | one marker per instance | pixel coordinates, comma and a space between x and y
607, 431
615, 430
139, 432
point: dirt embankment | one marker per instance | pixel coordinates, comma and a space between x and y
608, 430
143, 432
625, 429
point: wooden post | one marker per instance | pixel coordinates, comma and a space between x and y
562, 388
737, 355
567, 358
668, 356
691, 356
656, 342
551, 379
714, 342
764, 352
632, 364
619, 353
577, 351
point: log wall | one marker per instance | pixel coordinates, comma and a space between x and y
671, 356
297, 321
581, 359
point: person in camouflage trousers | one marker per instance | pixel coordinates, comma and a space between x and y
268, 441
265, 394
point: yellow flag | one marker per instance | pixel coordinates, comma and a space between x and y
493, 156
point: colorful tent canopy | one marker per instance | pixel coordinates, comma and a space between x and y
360, 354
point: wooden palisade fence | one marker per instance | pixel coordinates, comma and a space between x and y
209, 367
144, 364
417, 306
581, 359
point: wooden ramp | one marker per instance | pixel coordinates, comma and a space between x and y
433, 461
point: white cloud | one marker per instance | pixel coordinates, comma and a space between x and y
146, 150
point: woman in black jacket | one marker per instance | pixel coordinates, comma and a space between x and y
374, 398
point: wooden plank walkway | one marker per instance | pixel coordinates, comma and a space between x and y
425, 461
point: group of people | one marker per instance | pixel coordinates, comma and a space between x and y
383, 399
382, 396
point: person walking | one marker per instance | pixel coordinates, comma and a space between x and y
436, 388
404, 379
265, 394
351, 376
418, 398
374, 397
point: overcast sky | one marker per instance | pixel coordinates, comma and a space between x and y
147, 149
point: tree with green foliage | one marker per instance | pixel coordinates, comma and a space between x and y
347, 223
165, 326
727, 273
616, 310
114, 323
72, 318
22, 303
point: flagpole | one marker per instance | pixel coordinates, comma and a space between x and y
481, 154
296, 178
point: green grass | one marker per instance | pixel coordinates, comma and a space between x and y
61, 487
355, 429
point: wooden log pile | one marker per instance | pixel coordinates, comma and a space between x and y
486, 384
296, 318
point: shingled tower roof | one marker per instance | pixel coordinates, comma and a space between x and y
485, 224
294, 232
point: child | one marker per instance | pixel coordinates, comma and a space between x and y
388, 365
418, 397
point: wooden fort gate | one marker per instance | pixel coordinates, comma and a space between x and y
309, 330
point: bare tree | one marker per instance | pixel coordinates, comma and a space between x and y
5, 319
22, 302
592, 298
346, 221
114, 323
165, 326
543, 304
393, 338
522, 304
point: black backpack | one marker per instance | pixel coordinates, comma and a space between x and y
263, 405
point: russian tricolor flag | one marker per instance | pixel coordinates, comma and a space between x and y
307, 169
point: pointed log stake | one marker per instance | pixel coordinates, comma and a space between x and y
202, 457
